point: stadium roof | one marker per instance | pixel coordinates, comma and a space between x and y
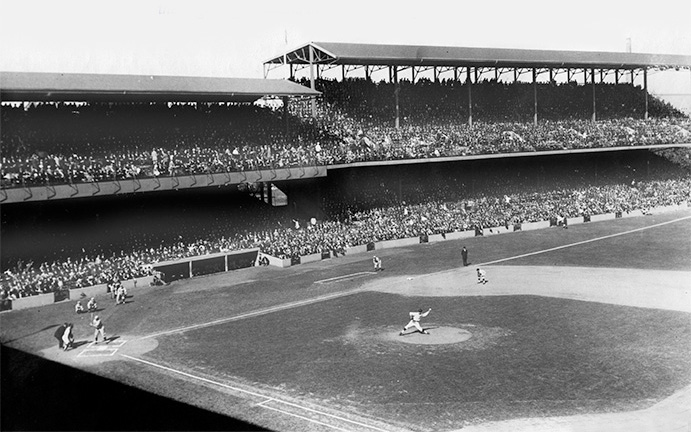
413, 55
32, 86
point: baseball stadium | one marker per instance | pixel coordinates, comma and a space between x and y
257, 254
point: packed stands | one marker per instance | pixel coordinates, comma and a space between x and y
45, 143
376, 211
48, 144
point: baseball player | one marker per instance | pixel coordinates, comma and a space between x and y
377, 263
91, 305
67, 337
99, 329
481, 276
415, 321
78, 308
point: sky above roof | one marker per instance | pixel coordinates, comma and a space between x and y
232, 39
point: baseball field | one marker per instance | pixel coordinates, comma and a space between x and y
579, 329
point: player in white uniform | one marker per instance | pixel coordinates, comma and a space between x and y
99, 329
481, 276
377, 263
415, 321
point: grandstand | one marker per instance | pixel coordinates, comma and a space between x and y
111, 178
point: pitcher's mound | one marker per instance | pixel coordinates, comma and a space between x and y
436, 336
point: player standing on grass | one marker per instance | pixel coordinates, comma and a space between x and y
377, 263
415, 321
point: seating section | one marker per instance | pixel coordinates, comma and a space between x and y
47, 144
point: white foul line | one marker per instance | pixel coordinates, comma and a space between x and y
351, 275
256, 313
257, 395
585, 241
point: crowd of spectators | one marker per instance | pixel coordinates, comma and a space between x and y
68, 143
359, 227
49, 144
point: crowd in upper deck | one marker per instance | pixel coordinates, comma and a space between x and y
73, 143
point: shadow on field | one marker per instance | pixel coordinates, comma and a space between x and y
39, 394
33, 333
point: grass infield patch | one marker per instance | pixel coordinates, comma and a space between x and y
528, 356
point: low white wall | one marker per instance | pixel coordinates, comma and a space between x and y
634, 213
574, 220
310, 258
388, 244
356, 249
496, 230
33, 301
529, 226
602, 217
436, 238
460, 234
278, 262
96, 290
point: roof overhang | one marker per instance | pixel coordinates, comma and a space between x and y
334, 53
32, 86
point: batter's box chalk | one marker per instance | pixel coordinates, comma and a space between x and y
107, 352
117, 344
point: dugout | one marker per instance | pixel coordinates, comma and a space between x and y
207, 264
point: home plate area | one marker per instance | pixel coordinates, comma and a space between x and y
102, 350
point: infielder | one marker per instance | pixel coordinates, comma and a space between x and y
481, 276
415, 321
377, 263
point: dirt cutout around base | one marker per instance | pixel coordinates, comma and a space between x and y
88, 353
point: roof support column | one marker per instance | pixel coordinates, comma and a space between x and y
292, 73
314, 100
343, 73
645, 90
592, 77
470, 97
396, 91
534, 97
455, 74
286, 101
367, 73
616, 76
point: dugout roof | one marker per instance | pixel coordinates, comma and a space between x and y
333, 53
33, 86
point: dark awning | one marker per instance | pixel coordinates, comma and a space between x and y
31, 86
413, 55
